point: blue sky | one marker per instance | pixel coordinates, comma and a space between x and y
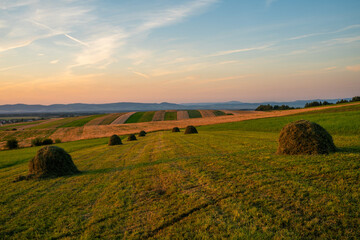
178, 51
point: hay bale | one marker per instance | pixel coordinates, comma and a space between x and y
305, 137
142, 133
132, 137
51, 161
175, 129
115, 140
190, 130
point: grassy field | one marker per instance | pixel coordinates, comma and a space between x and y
81, 122
225, 182
170, 116
141, 117
194, 114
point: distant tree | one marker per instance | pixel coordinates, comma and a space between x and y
355, 99
326, 103
267, 107
313, 104
342, 101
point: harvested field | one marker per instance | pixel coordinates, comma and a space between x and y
181, 115
207, 113
110, 118
57, 123
96, 121
24, 136
159, 116
89, 132
122, 119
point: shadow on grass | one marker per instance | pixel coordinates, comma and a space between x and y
349, 150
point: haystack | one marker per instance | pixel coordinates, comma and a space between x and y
142, 133
131, 137
51, 161
305, 137
175, 129
115, 140
190, 130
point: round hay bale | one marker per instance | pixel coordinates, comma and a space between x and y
190, 130
142, 133
175, 129
305, 137
132, 137
115, 140
52, 161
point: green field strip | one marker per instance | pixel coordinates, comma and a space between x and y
219, 113
141, 117
135, 117
194, 114
81, 122
170, 116
147, 117
56, 123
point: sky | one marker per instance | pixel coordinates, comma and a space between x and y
102, 51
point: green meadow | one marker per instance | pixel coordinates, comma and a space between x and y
225, 182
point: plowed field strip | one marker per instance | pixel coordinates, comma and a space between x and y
159, 116
182, 115
122, 119
207, 113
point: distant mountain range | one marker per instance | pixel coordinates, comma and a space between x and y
131, 106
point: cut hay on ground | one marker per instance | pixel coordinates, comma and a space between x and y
142, 133
114, 140
190, 130
159, 116
207, 113
51, 161
131, 137
175, 129
122, 119
182, 115
305, 137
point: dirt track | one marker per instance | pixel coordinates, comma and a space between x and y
88, 132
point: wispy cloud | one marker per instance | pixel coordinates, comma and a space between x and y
325, 33
269, 2
141, 74
172, 15
222, 53
354, 68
